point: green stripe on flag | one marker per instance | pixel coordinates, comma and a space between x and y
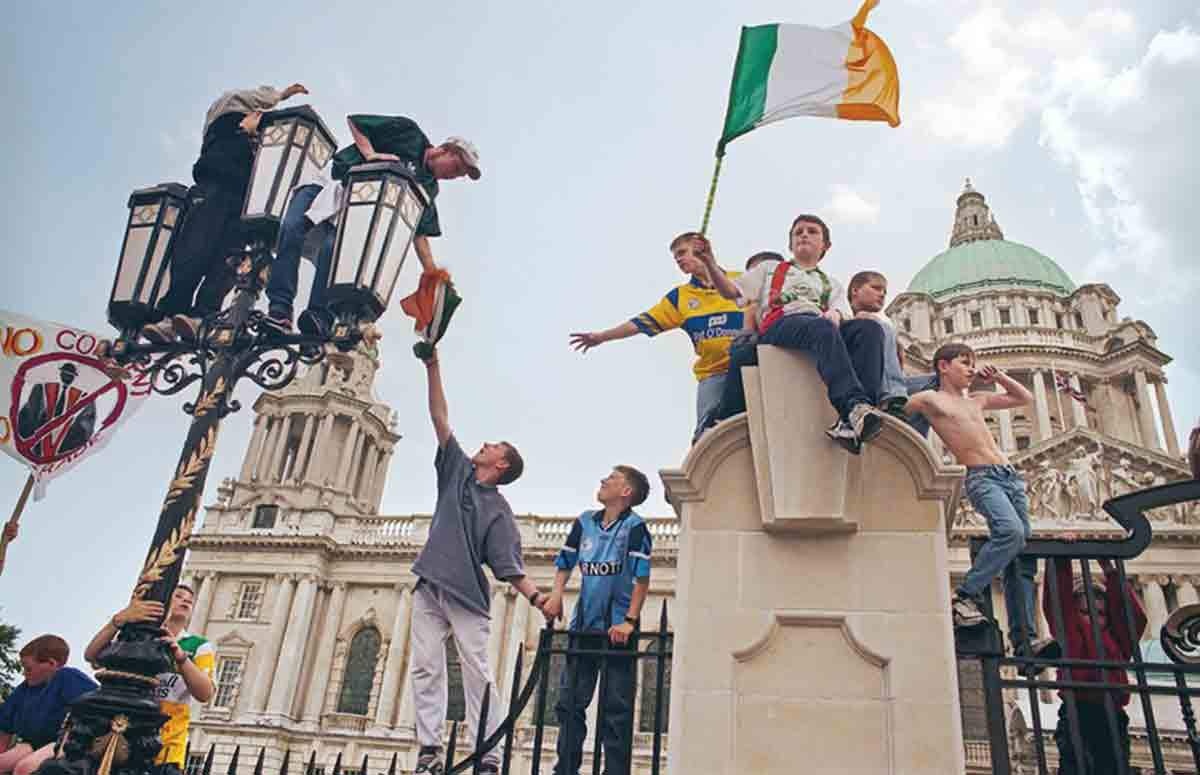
748, 92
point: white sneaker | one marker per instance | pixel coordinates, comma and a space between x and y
161, 332
843, 434
866, 421
966, 613
187, 326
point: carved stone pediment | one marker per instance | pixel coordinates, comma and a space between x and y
1068, 479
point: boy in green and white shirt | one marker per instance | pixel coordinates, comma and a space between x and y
195, 659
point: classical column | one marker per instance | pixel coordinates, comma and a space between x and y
1008, 442
310, 427
320, 458
385, 457
204, 595
270, 431
1043, 406
285, 429
1186, 586
291, 658
497, 614
1078, 414
256, 440
360, 467
300, 419
1168, 422
323, 664
1156, 603
268, 665
1145, 413
339, 481
516, 637
397, 647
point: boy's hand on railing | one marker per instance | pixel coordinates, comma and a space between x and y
619, 633
552, 607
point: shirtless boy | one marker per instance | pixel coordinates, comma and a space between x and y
995, 488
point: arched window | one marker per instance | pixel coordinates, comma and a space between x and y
359, 675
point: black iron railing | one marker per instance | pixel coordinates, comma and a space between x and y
654, 647
1103, 667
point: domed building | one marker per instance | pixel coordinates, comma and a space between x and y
305, 588
1100, 424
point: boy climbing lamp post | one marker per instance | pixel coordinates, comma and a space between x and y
116, 728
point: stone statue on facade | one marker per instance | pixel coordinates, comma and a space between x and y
1122, 478
1045, 492
1083, 483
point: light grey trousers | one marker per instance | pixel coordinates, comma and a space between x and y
437, 616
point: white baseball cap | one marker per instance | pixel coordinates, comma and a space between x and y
470, 154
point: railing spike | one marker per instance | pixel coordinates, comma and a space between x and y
287, 757
662, 618
233, 762
208, 760
258, 765
312, 763
363, 771
337, 764
392, 766
451, 745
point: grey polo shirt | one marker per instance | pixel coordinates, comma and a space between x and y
472, 526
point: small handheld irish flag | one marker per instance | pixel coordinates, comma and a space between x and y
786, 70
431, 305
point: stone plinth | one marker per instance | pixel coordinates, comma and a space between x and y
812, 609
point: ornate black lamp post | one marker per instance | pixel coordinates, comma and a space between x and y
115, 729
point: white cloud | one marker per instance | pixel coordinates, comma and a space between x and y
846, 205
1009, 70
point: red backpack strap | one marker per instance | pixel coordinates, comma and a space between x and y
774, 307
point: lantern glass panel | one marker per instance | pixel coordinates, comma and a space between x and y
374, 247
156, 260
354, 239
319, 152
393, 260
410, 209
265, 170
137, 238
285, 184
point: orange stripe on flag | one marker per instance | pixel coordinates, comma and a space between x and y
420, 304
873, 82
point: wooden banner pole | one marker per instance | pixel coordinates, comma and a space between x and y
15, 519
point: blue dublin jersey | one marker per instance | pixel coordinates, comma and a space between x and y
610, 560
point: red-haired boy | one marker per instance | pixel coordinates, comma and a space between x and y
32, 715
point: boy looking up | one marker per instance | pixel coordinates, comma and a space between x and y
472, 526
32, 715
695, 306
611, 546
192, 678
803, 309
994, 487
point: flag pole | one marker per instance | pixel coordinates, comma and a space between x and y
16, 517
1062, 418
712, 193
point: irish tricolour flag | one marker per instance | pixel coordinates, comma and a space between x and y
786, 70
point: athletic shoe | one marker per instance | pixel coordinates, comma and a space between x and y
966, 613
315, 323
866, 422
187, 326
276, 326
429, 762
161, 332
842, 432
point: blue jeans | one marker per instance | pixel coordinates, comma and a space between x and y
998, 494
915, 384
708, 398
285, 270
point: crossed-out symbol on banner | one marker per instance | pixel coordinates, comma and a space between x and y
30, 447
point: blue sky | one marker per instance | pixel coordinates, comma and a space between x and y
596, 127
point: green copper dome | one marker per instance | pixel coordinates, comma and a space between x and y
978, 264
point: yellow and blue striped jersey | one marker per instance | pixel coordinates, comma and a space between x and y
710, 319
